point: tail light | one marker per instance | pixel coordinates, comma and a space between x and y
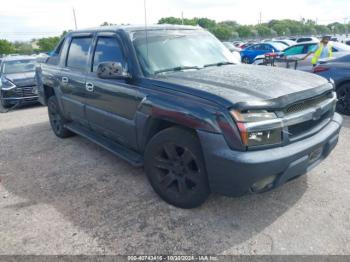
270, 54
318, 69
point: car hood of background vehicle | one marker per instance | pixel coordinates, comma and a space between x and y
248, 86
22, 79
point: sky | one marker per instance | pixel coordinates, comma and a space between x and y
27, 19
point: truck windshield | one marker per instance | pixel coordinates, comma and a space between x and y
179, 50
18, 66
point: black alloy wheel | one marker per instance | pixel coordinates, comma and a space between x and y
57, 121
343, 104
175, 168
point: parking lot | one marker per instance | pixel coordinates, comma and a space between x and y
72, 197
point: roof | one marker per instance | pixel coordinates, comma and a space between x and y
17, 57
133, 28
307, 43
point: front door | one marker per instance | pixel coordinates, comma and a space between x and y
111, 103
73, 78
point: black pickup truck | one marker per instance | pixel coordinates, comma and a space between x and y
169, 98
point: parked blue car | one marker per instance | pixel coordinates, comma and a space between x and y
251, 52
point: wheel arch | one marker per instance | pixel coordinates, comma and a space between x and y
48, 92
156, 125
342, 83
156, 115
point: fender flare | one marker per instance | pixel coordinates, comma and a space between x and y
181, 112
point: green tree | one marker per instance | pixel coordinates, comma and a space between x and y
322, 29
48, 43
6, 47
234, 35
64, 33
244, 31
205, 22
23, 47
222, 32
170, 20
263, 30
273, 33
337, 28
285, 27
230, 23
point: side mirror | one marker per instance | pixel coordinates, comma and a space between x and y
111, 70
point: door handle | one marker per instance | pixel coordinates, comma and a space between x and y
65, 79
89, 87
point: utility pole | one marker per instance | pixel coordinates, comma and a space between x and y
75, 19
260, 15
346, 26
182, 17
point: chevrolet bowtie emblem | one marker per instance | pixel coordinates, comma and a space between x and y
317, 115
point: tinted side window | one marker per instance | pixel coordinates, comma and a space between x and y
268, 48
78, 53
58, 48
256, 47
54, 55
107, 49
295, 50
311, 48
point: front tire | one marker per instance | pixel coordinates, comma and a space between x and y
5, 104
343, 104
175, 168
245, 60
56, 118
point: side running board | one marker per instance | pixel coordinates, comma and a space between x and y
128, 155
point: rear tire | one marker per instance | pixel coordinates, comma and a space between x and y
343, 104
175, 168
56, 118
245, 60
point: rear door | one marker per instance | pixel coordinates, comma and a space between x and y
73, 77
111, 103
305, 64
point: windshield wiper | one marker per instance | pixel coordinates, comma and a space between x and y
177, 68
220, 64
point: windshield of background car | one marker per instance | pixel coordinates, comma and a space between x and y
178, 48
279, 46
18, 66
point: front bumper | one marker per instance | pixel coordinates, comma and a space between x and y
20, 95
235, 173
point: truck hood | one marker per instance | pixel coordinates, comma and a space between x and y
248, 86
22, 79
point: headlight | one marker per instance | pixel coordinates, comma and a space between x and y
254, 127
253, 116
7, 84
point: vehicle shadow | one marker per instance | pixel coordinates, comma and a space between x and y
113, 202
19, 107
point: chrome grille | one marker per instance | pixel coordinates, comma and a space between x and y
301, 106
25, 91
303, 127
